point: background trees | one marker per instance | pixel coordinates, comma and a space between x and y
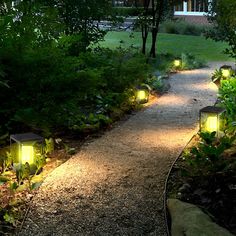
223, 16
154, 12
54, 83
79, 19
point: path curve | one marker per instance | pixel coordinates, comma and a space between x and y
115, 184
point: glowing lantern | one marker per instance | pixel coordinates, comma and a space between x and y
226, 71
25, 147
211, 119
177, 62
142, 94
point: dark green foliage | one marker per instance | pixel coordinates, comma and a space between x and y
78, 18
182, 27
216, 76
5, 162
55, 91
207, 157
159, 83
189, 62
49, 146
126, 11
227, 95
222, 16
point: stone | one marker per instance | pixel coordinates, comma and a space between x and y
189, 220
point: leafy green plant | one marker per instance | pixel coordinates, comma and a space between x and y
9, 218
216, 77
182, 27
227, 96
207, 157
3, 179
5, 162
157, 83
222, 16
49, 146
19, 169
189, 62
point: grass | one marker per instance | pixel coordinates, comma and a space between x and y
202, 48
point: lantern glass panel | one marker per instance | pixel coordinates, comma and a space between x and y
226, 71
211, 119
210, 122
27, 154
142, 96
25, 147
177, 63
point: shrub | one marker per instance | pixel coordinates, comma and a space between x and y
66, 92
189, 62
158, 83
182, 27
227, 95
207, 158
126, 11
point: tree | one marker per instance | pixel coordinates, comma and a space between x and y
154, 12
222, 15
144, 22
80, 17
28, 24
160, 10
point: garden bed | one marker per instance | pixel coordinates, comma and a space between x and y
215, 193
16, 202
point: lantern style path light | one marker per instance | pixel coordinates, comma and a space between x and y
226, 71
24, 147
177, 62
211, 119
142, 94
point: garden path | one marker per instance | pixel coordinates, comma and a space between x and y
115, 184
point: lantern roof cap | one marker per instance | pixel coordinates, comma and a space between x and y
212, 109
24, 137
226, 67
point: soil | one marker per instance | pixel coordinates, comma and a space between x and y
115, 184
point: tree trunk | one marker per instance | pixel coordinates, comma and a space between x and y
157, 14
145, 26
154, 39
144, 38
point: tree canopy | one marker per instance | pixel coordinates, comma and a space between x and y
222, 15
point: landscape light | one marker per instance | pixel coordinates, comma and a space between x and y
226, 71
211, 119
24, 147
142, 94
177, 62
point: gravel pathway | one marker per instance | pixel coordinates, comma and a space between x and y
115, 184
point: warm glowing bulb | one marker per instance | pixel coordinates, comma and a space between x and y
27, 154
141, 95
211, 124
225, 72
177, 63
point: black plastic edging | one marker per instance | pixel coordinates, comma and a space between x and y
165, 188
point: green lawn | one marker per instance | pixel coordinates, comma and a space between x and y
202, 48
